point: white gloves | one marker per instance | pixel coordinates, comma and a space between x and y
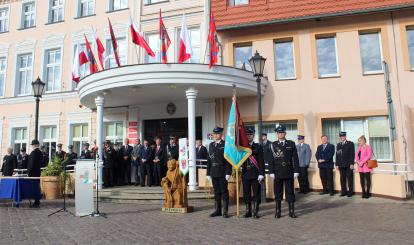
227, 177
295, 175
208, 178
260, 178
272, 176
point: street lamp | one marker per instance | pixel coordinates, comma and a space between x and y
38, 88
257, 62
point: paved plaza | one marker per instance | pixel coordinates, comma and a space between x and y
321, 220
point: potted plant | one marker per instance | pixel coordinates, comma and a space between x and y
51, 179
232, 185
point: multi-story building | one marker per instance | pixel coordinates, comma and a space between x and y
325, 70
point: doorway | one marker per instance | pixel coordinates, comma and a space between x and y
164, 128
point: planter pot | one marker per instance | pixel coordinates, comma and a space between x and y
51, 187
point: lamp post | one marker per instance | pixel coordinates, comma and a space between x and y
257, 62
38, 88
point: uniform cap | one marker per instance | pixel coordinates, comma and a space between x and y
280, 129
59, 145
301, 137
341, 134
70, 146
35, 142
250, 130
218, 130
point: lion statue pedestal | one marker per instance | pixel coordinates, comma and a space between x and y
175, 190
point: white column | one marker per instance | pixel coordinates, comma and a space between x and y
191, 94
99, 102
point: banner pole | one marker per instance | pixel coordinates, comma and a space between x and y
237, 192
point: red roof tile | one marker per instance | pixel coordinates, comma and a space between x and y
271, 10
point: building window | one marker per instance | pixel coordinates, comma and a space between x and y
2, 75
375, 129
24, 74
242, 54
371, 53
4, 20
19, 139
29, 15
49, 139
110, 61
147, 2
56, 11
86, 7
153, 41
53, 70
269, 128
284, 60
118, 4
327, 57
410, 41
79, 136
194, 34
238, 2
114, 132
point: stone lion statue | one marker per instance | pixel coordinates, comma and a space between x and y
174, 186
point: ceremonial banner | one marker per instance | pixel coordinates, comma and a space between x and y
183, 156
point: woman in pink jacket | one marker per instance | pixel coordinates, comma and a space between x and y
363, 154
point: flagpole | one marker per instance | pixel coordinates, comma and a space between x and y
136, 52
237, 192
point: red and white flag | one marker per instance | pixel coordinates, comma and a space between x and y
100, 48
213, 42
165, 41
138, 39
114, 44
186, 51
93, 67
79, 60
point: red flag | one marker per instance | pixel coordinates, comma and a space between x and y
165, 41
100, 48
93, 67
139, 40
212, 40
186, 51
114, 44
241, 136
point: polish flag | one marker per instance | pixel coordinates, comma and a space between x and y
185, 43
114, 44
99, 47
79, 60
138, 39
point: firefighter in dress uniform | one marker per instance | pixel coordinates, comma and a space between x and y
219, 172
284, 168
252, 176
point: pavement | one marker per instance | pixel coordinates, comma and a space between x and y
321, 220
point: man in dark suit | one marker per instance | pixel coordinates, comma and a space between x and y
345, 159
33, 167
125, 169
267, 154
59, 154
252, 176
324, 157
158, 161
284, 168
171, 150
70, 158
219, 172
9, 163
45, 156
109, 159
22, 159
86, 153
201, 152
145, 157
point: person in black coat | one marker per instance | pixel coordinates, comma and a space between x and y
45, 156
158, 161
109, 163
118, 177
324, 156
267, 153
345, 160
171, 150
86, 153
70, 158
284, 168
201, 152
252, 176
125, 169
22, 159
9, 163
145, 157
33, 167
219, 172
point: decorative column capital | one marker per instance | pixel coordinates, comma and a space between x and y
191, 93
99, 100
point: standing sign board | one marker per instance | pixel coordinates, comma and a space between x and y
84, 183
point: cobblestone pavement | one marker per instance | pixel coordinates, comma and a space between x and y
321, 220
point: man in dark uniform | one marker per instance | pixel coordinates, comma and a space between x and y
70, 158
125, 168
345, 159
59, 154
22, 159
33, 167
171, 149
219, 172
108, 164
324, 156
118, 177
9, 163
267, 153
45, 156
86, 153
252, 176
145, 157
284, 168
158, 161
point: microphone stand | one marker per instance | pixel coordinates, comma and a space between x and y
64, 195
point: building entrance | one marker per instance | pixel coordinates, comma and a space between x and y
177, 127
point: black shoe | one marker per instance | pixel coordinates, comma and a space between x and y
217, 207
292, 210
255, 210
225, 209
323, 193
368, 195
332, 194
278, 212
35, 205
248, 213
342, 194
349, 195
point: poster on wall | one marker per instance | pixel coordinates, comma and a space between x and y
183, 156
132, 130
